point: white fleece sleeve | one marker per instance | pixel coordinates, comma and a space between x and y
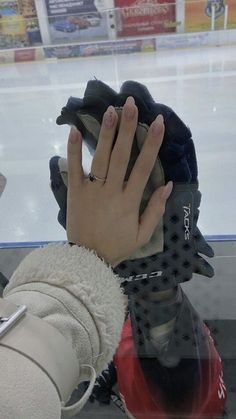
58, 281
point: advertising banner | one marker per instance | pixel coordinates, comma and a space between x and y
24, 55
18, 24
185, 40
102, 48
198, 15
145, 17
73, 21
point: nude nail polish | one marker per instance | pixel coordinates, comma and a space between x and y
157, 125
109, 117
167, 190
129, 108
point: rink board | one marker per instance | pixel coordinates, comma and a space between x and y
213, 298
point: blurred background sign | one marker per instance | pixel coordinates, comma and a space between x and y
142, 17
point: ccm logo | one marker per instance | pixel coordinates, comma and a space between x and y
154, 274
187, 211
222, 388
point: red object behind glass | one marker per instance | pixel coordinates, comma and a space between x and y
137, 396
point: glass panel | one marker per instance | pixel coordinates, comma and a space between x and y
179, 335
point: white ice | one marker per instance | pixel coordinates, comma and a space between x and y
200, 85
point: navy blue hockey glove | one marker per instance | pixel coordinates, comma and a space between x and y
172, 255
103, 387
3, 182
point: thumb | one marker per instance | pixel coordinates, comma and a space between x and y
153, 212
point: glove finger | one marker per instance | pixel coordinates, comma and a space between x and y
201, 245
3, 182
61, 218
3, 281
202, 267
59, 189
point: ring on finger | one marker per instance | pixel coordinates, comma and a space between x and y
93, 178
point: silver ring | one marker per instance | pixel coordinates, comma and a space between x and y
92, 178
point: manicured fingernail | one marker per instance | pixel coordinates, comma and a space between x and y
109, 117
167, 190
73, 137
129, 108
157, 125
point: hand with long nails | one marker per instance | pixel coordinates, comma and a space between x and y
104, 215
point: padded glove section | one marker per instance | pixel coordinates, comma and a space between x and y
179, 259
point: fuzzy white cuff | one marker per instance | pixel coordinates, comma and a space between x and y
81, 273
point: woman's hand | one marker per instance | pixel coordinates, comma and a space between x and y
103, 214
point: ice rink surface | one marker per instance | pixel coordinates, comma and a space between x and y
200, 85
